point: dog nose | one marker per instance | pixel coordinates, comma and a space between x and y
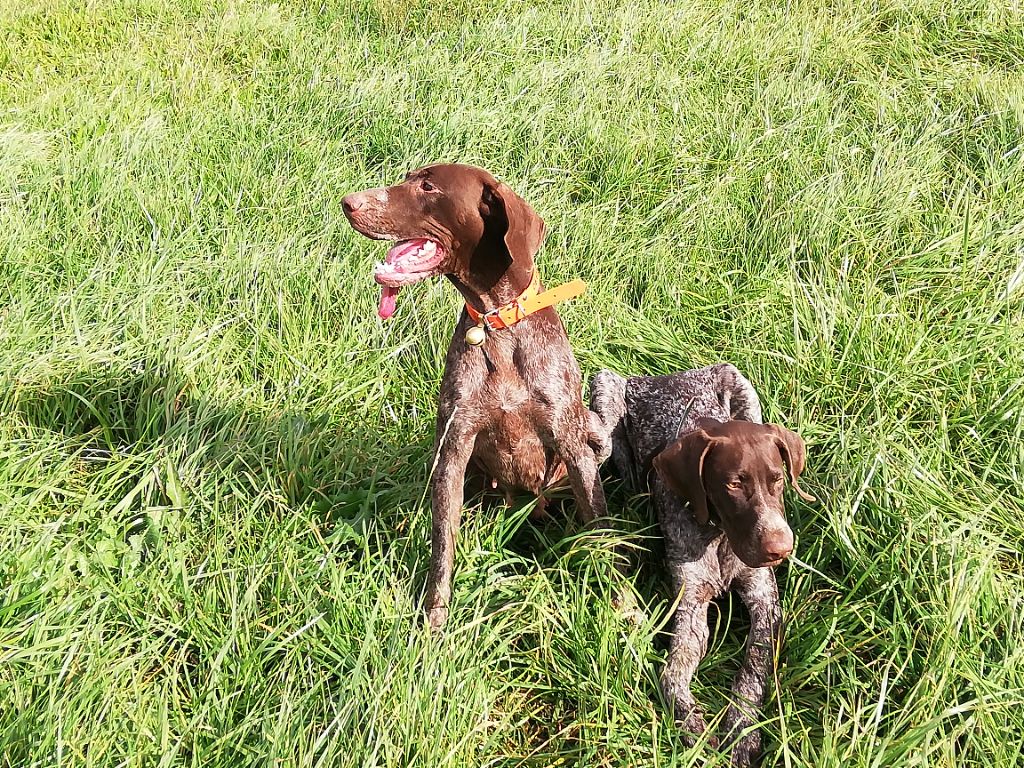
352, 203
778, 544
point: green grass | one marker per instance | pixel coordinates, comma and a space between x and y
213, 455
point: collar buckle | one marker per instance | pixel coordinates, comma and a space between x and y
525, 304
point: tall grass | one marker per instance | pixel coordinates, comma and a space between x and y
213, 455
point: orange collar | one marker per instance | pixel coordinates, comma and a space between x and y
526, 303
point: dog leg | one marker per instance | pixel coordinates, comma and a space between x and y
737, 394
453, 454
586, 483
761, 596
689, 644
569, 436
608, 405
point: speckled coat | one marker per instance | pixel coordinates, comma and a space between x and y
510, 408
642, 416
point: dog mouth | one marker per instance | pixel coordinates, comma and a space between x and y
757, 559
407, 262
764, 562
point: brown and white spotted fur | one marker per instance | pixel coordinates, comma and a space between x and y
717, 488
512, 407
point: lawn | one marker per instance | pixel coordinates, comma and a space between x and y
214, 455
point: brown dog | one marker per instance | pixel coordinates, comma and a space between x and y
512, 405
717, 487
735, 468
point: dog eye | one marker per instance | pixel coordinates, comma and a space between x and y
426, 186
734, 485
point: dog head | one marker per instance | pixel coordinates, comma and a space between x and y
737, 468
447, 219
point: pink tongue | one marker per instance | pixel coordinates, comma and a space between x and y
387, 301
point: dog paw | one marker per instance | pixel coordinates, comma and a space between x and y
695, 729
437, 616
746, 748
688, 716
745, 755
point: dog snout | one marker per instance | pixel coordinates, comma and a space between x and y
778, 544
367, 199
352, 203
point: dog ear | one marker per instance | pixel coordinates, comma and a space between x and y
794, 453
681, 466
521, 227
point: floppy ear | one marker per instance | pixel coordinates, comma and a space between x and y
522, 228
794, 453
681, 466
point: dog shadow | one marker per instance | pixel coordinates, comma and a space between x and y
360, 489
152, 422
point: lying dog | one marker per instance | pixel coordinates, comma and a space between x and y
717, 487
510, 400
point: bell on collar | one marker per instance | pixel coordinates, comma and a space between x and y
476, 335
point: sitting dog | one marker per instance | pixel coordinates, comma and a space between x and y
717, 487
510, 401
